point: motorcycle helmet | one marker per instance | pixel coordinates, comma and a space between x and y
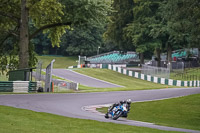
128, 101
121, 102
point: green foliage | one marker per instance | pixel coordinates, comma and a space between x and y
83, 11
119, 18
43, 12
10, 14
46, 12
42, 44
163, 24
183, 27
79, 41
32, 56
82, 41
144, 13
8, 56
52, 17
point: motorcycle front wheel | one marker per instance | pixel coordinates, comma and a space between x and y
106, 116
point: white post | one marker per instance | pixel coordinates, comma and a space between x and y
79, 60
98, 50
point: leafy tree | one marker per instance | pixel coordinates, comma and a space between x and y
177, 24
52, 17
140, 27
82, 41
119, 18
42, 44
183, 21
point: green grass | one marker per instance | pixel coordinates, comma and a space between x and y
128, 82
60, 62
183, 112
14, 120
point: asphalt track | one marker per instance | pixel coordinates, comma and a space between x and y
83, 79
79, 105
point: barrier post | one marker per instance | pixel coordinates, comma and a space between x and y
52, 86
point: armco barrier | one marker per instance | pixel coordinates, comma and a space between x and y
72, 85
70, 67
6, 86
34, 85
19, 86
154, 79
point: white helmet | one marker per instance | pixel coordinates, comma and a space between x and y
128, 100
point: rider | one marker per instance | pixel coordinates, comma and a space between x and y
128, 101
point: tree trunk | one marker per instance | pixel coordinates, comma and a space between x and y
24, 37
169, 56
169, 51
158, 51
141, 58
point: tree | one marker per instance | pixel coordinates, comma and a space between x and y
51, 17
24, 36
140, 27
42, 44
119, 18
83, 41
183, 22
177, 25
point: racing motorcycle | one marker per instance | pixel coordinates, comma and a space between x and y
120, 110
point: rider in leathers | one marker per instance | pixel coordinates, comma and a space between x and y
128, 101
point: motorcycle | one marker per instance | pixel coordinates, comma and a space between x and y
117, 111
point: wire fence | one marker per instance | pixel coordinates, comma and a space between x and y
185, 71
192, 73
186, 77
156, 71
38, 71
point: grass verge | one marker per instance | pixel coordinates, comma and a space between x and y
23, 121
183, 112
128, 82
60, 62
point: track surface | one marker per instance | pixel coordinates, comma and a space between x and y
73, 105
83, 79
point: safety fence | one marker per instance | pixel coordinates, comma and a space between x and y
19, 86
156, 71
63, 86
